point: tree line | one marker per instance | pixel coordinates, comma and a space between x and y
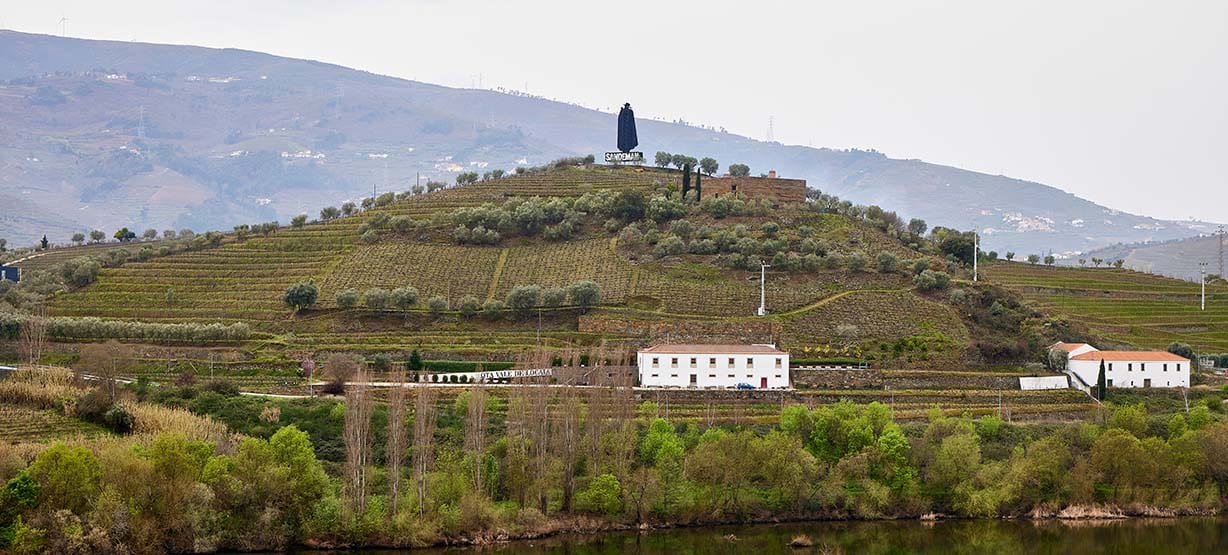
411, 468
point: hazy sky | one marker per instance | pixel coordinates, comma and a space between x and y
1121, 102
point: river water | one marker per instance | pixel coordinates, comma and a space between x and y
997, 537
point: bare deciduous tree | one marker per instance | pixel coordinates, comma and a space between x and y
397, 439
475, 432
567, 432
105, 361
424, 440
357, 435
34, 336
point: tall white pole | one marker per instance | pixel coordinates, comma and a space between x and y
763, 288
975, 254
1202, 278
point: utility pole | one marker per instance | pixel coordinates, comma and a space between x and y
1202, 280
763, 288
1219, 233
976, 252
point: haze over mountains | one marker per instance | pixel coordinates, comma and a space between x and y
103, 134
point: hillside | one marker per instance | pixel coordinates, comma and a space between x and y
102, 134
1123, 306
840, 286
1177, 258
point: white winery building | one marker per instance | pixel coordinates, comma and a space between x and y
1126, 369
714, 366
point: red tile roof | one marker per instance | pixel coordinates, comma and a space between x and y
1069, 347
1144, 356
689, 349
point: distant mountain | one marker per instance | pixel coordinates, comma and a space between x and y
1178, 258
107, 134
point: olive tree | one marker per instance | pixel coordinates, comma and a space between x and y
404, 298
469, 306
523, 299
662, 159
301, 295
347, 298
584, 293
376, 298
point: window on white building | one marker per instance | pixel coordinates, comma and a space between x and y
654, 375
1110, 366
711, 375
673, 375
1130, 368
655, 362
1165, 366
693, 362
778, 363
712, 362
673, 362
750, 362
731, 375
1142, 367
730, 365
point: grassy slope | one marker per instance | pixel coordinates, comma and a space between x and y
1123, 306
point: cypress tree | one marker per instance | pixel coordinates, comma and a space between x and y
686, 180
698, 189
415, 360
1101, 382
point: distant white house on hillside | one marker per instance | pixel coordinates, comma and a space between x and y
1126, 368
714, 366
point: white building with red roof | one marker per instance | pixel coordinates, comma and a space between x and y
1126, 369
757, 366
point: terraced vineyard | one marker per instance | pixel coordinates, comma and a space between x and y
558, 264
239, 282
1124, 306
564, 182
877, 316
452, 271
23, 425
53, 257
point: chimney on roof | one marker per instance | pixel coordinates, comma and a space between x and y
771, 174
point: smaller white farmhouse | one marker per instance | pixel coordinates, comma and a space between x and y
714, 366
1126, 368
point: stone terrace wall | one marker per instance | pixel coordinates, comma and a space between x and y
657, 331
786, 191
870, 378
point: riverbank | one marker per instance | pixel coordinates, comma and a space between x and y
580, 527
1134, 536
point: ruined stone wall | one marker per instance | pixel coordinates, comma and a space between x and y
785, 191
